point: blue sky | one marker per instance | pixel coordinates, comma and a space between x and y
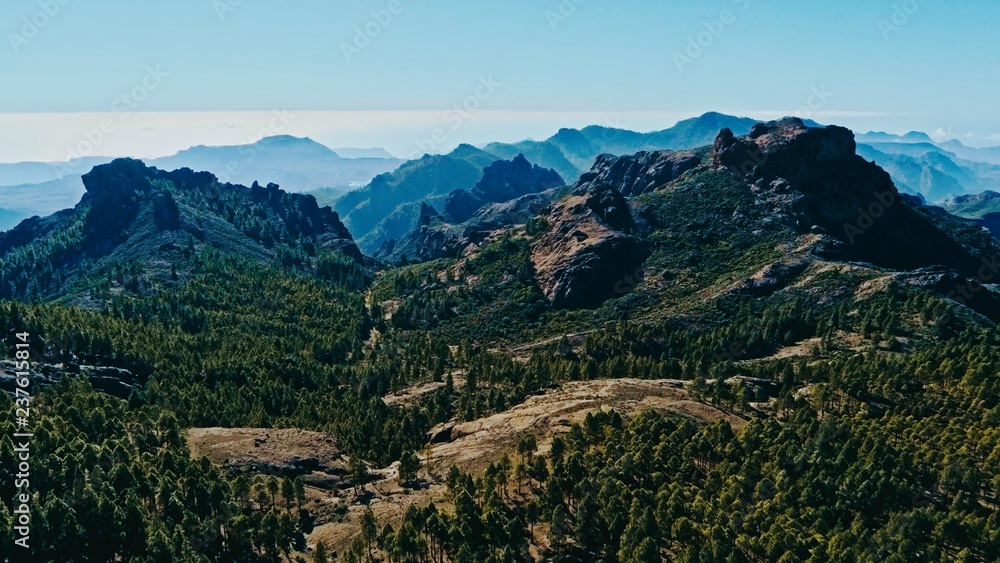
886, 64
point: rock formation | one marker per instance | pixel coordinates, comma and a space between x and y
589, 248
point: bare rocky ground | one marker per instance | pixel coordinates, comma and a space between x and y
471, 446
290, 452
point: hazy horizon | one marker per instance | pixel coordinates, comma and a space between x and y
386, 73
57, 137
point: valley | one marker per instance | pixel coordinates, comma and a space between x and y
679, 355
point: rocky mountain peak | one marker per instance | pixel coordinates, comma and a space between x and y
502, 181
139, 214
812, 179
636, 174
786, 148
428, 215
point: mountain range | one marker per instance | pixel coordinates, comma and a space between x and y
297, 164
930, 170
389, 207
757, 346
150, 225
782, 181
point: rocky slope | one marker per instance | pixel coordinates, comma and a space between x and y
388, 207
153, 223
643, 172
468, 214
802, 191
588, 248
433, 238
502, 181
814, 181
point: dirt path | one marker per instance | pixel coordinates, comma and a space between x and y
548, 341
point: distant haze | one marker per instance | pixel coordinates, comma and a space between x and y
55, 136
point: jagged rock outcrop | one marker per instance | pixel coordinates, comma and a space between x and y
502, 181
968, 291
772, 278
446, 235
461, 205
436, 238
111, 380
373, 214
431, 240
640, 173
589, 248
812, 180
518, 211
121, 192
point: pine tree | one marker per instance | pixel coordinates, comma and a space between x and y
319, 555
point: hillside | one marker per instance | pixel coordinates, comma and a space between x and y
502, 181
930, 171
386, 209
974, 206
983, 207
510, 192
757, 348
147, 227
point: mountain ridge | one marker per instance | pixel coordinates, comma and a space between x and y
154, 224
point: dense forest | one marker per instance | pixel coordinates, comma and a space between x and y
891, 455
855, 409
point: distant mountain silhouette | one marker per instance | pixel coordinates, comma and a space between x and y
571, 152
385, 209
928, 170
297, 164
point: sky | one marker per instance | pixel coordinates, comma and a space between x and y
147, 78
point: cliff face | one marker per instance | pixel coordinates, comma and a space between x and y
812, 180
588, 249
783, 177
502, 181
640, 173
